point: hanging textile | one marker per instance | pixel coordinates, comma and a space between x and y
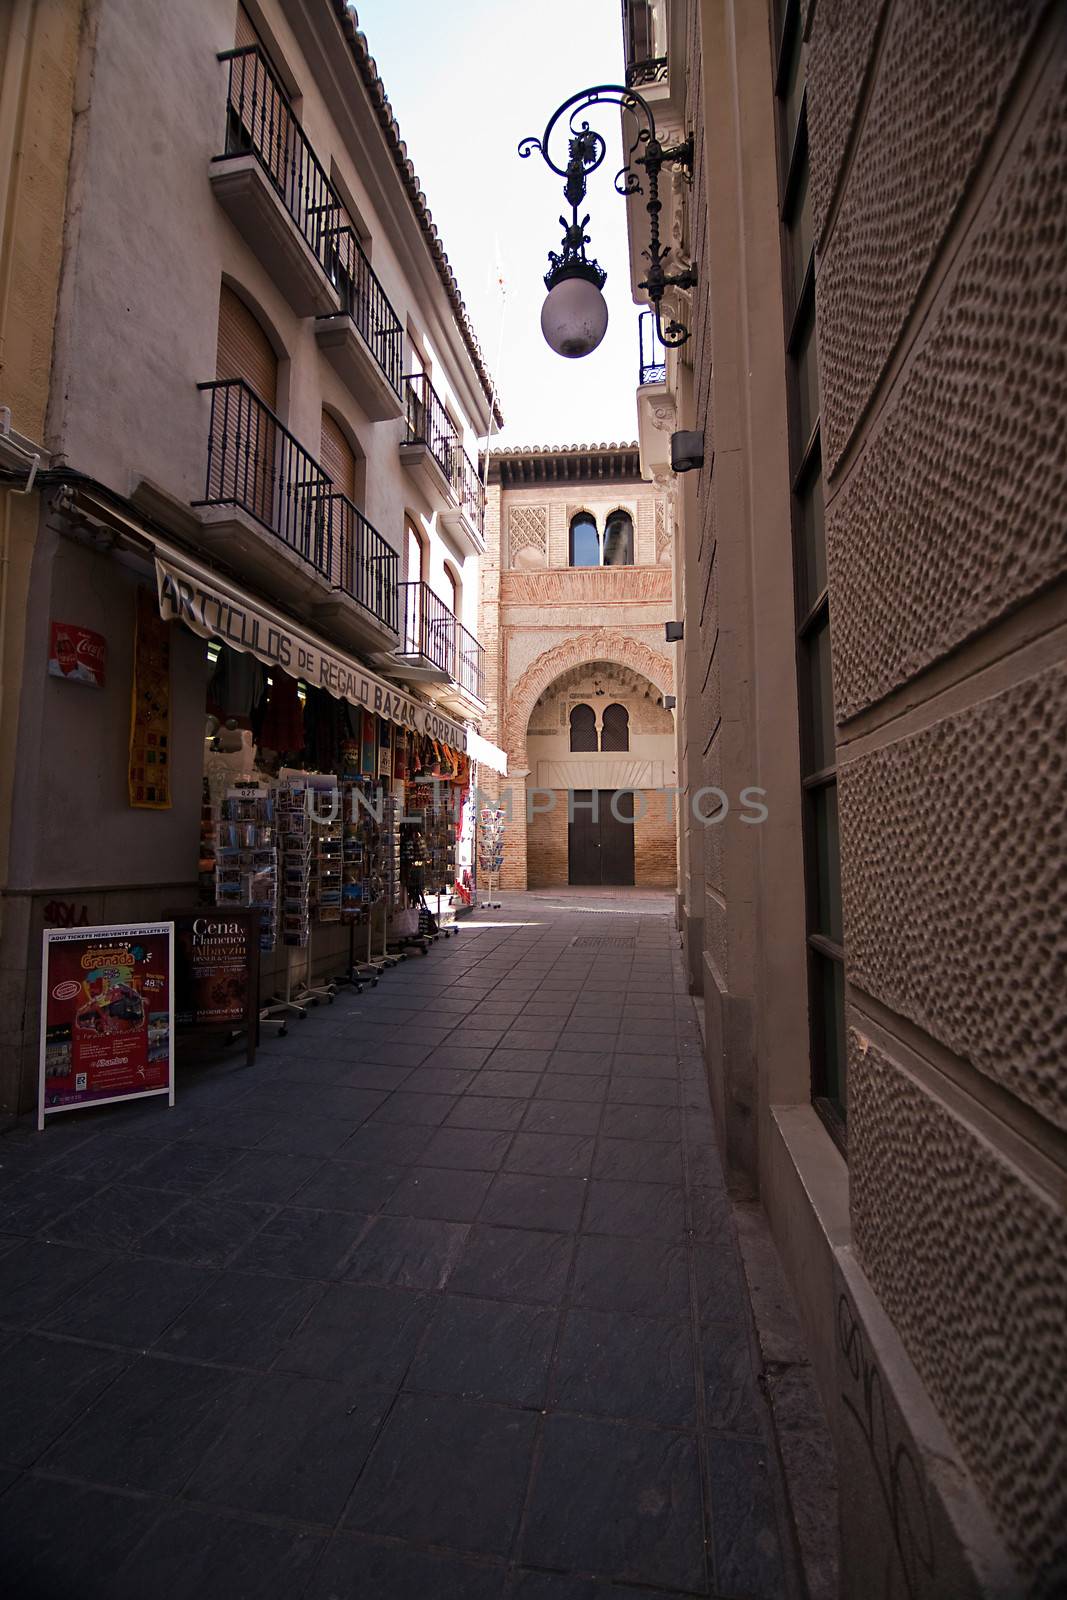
149, 763
282, 726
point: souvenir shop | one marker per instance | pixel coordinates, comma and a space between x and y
334, 804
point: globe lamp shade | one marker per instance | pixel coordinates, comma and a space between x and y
574, 317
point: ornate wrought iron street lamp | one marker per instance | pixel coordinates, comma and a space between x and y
574, 317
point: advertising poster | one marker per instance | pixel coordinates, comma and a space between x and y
107, 1015
77, 655
216, 971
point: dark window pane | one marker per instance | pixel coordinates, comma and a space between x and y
619, 540
793, 85
826, 863
615, 728
807, 368
811, 520
828, 1029
800, 231
585, 545
817, 691
583, 729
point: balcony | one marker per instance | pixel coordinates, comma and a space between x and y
436, 648
364, 341
434, 455
271, 511
652, 352
640, 74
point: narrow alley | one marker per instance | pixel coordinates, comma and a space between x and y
347, 1322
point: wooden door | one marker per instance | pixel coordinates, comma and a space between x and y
600, 845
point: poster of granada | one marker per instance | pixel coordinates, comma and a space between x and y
107, 1015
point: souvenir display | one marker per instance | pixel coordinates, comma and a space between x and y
246, 857
294, 861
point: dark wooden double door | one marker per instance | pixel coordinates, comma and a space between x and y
600, 838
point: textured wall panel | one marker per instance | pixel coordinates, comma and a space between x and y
980, 1307
937, 96
944, 526
954, 859
839, 50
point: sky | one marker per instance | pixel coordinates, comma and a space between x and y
467, 79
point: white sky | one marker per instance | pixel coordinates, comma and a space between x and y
466, 80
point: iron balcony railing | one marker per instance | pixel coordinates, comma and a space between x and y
430, 424
639, 74
260, 122
366, 566
652, 353
365, 301
430, 630
255, 463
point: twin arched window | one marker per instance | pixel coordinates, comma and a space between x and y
613, 548
614, 732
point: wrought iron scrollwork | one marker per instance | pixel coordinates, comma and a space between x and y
586, 150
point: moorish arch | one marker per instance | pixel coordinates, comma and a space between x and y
603, 644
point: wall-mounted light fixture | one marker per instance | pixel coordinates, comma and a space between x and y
574, 317
687, 450
674, 632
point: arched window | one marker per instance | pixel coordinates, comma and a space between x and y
585, 541
619, 540
583, 729
615, 730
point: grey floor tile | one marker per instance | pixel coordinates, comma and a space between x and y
514, 1264
186, 1167
641, 1122
561, 1155
432, 1079
639, 1160
615, 1274
625, 1366
571, 1086
355, 1186
206, 1232
117, 1218
359, 1333
517, 1200
241, 1320
731, 1399
562, 1116
210, 1557
354, 1566
131, 1304
632, 1064
638, 1210
586, 1063
310, 1135
447, 1193
410, 1252
747, 1556
374, 1075
505, 1085
486, 1350
150, 1428
624, 1090
36, 1277
617, 1499
269, 1176
513, 1058
294, 1449
487, 1112
99, 1531
720, 1289
48, 1385
423, 1110
302, 1243
387, 1143
475, 1150
39, 1201
447, 1472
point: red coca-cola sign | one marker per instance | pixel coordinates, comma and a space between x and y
77, 654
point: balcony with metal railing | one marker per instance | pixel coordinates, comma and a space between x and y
435, 647
364, 341
433, 453
652, 352
270, 510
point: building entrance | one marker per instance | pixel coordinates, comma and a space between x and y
600, 838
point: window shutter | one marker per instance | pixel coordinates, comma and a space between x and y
337, 456
244, 349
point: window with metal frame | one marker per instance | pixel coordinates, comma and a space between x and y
584, 541
818, 760
583, 730
615, 728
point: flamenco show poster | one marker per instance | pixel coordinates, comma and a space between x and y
107, 1015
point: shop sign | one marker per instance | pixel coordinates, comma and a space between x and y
216, 970
77, 654
107, 1015
214, 611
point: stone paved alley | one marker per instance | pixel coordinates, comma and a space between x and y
442, 1298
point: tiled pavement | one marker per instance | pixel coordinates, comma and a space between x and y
441, 1299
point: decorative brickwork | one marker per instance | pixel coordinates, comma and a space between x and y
989, 1344
936, 100
527, 531
939, 531
954, 862
603, 645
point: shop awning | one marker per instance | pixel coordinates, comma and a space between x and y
486, 754
215, 608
